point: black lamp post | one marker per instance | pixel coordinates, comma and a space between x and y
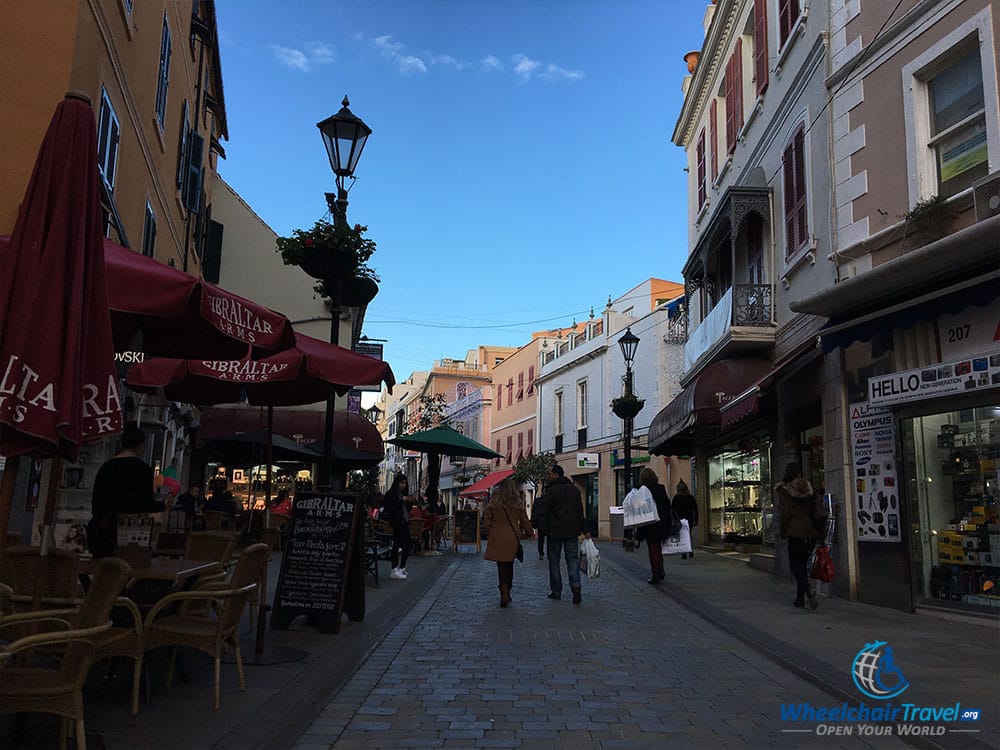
344, 135
628, 343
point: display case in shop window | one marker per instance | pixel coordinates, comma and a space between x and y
740, 506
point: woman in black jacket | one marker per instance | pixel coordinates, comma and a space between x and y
394, 511
685, 506
655, 533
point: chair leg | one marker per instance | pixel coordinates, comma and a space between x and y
239, 663
81, 735
170, 666
218, 661
136, 681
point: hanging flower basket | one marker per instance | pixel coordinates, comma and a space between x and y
330, 251
627, 406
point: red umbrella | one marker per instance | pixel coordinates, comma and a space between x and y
181, 315
58, 387
300, 375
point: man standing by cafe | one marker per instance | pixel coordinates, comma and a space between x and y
564, 522
123, 484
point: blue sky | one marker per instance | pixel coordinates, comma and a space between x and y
520, 169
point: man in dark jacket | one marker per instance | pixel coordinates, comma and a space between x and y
563, 522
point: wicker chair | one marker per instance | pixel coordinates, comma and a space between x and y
49, 581
60, 690
416, 532
208, 630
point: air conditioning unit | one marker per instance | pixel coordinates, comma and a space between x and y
986, 196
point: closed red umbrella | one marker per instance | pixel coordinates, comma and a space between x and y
57, 381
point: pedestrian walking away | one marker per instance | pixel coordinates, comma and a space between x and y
564, 522
538, 522
796, 503
654, 534
685, 507
506, 524
394, 511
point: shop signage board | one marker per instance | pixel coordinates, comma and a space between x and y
970, 375
877, 499
372, 350
588, 460
315, 566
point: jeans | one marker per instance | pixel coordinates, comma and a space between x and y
572, 551
541, 542
654, 548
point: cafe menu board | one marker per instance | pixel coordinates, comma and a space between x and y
315, 566
467, 528
878, 502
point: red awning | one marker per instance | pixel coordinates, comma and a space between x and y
747, 403
304, 426
483, 486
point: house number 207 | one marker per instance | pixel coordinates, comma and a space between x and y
958, 333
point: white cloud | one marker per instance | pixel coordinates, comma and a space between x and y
446, 61
491, 63
320, 53
314, 53
524, 66
392, 51
528, 69
293, 58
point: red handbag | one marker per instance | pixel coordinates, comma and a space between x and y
822, 569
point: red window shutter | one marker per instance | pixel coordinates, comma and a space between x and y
531, 441
713, 136
738, 84
789, 168
760, 44
520, 440
730, 108
510, 392
499, 397
801, 218
700, 152
498, 450
510, 448
531, 380
788, 13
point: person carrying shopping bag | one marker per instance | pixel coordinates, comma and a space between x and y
686, 507
506, 524
564, 521
796, 502
655, 533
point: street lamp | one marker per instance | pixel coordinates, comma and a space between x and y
344, 136
628, 343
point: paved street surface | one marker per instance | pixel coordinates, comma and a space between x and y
704, 661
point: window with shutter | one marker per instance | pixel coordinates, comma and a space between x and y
730, 108
108, 135
531, 441
760, 44
510, 392
510, 448
713, 137
499, 397
531, 380
796, 218
700, 152
149, 232
520, 386
738, 85
193, 178
164, 75
182, 146
788, 14
499, 458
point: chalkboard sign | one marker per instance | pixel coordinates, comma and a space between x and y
467, 528
316, 562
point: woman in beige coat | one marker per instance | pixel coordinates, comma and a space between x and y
505, 523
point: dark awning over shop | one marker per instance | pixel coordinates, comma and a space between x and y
698, 404
844, 330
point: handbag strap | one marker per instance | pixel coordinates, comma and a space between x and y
517, 535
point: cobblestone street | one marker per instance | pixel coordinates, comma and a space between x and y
628, 668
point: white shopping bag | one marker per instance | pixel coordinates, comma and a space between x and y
639, 507
673, 545
590, 558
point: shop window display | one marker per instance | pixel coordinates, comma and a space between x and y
952, 462
741, 506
